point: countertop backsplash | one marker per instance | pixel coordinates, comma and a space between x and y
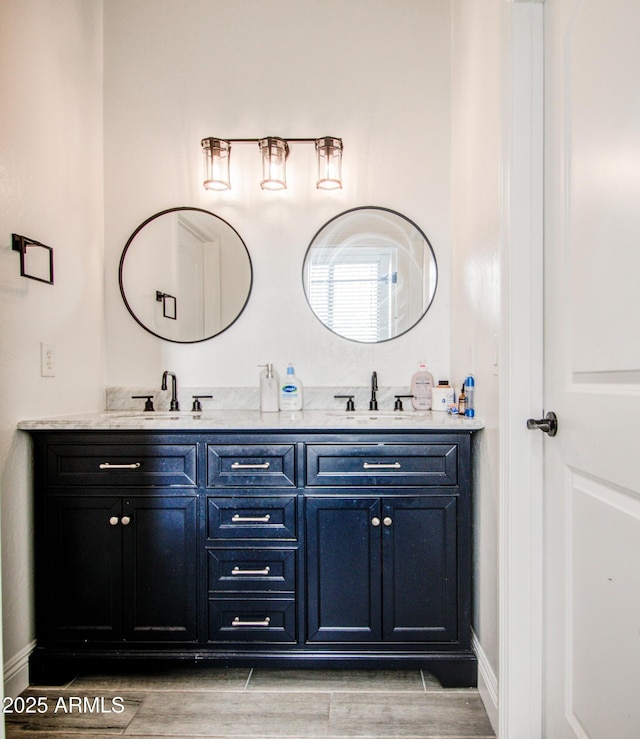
248, 398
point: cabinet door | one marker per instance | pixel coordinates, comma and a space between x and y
343, 569
160, 573
80, 569
419, 546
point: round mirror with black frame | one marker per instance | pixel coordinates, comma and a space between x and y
185, 275
370, 274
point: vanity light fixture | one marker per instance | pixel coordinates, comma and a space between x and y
329, 153
274, 152
216, 164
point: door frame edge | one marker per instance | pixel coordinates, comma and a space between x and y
521, 375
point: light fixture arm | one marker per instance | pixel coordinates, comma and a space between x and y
257, 141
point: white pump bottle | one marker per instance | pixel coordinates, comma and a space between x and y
422, 388
269, 389
291, 391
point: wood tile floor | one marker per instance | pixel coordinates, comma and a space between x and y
243, 703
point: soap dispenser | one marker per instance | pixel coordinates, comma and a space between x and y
422, 388
269, 401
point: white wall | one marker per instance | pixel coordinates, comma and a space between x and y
51, 191
477, 207
376, 74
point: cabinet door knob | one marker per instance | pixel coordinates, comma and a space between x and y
375, 521
387, 521
114, 520
126, 520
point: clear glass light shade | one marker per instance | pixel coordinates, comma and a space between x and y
274, 153
329, 153
216, 154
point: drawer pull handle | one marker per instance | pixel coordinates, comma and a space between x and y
238, 571
237, 518
237, 621
381, 466
241, 466
109, 466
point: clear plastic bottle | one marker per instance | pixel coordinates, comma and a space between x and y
269, 389
291, 391
422, 388
469, 389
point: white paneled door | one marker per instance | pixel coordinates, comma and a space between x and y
592, 372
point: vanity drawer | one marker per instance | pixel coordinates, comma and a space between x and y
259, 620
340, 465
252, 570
271, 465
251, 518
122, 465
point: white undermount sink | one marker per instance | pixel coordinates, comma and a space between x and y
371, 415
146, 415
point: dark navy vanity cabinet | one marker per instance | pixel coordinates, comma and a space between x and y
291, 549
382, 570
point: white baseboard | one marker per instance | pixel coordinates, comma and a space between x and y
16, 671
487, 683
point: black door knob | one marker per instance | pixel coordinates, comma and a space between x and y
548, 424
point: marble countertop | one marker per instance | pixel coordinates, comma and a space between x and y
243, 420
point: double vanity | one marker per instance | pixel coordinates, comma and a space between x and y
312, 538
235, 538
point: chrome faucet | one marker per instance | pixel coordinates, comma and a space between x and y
373, 403
175, 406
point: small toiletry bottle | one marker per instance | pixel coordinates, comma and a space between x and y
462, 402
291, 392
442, 397
269, 389
469, 387
422, 388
